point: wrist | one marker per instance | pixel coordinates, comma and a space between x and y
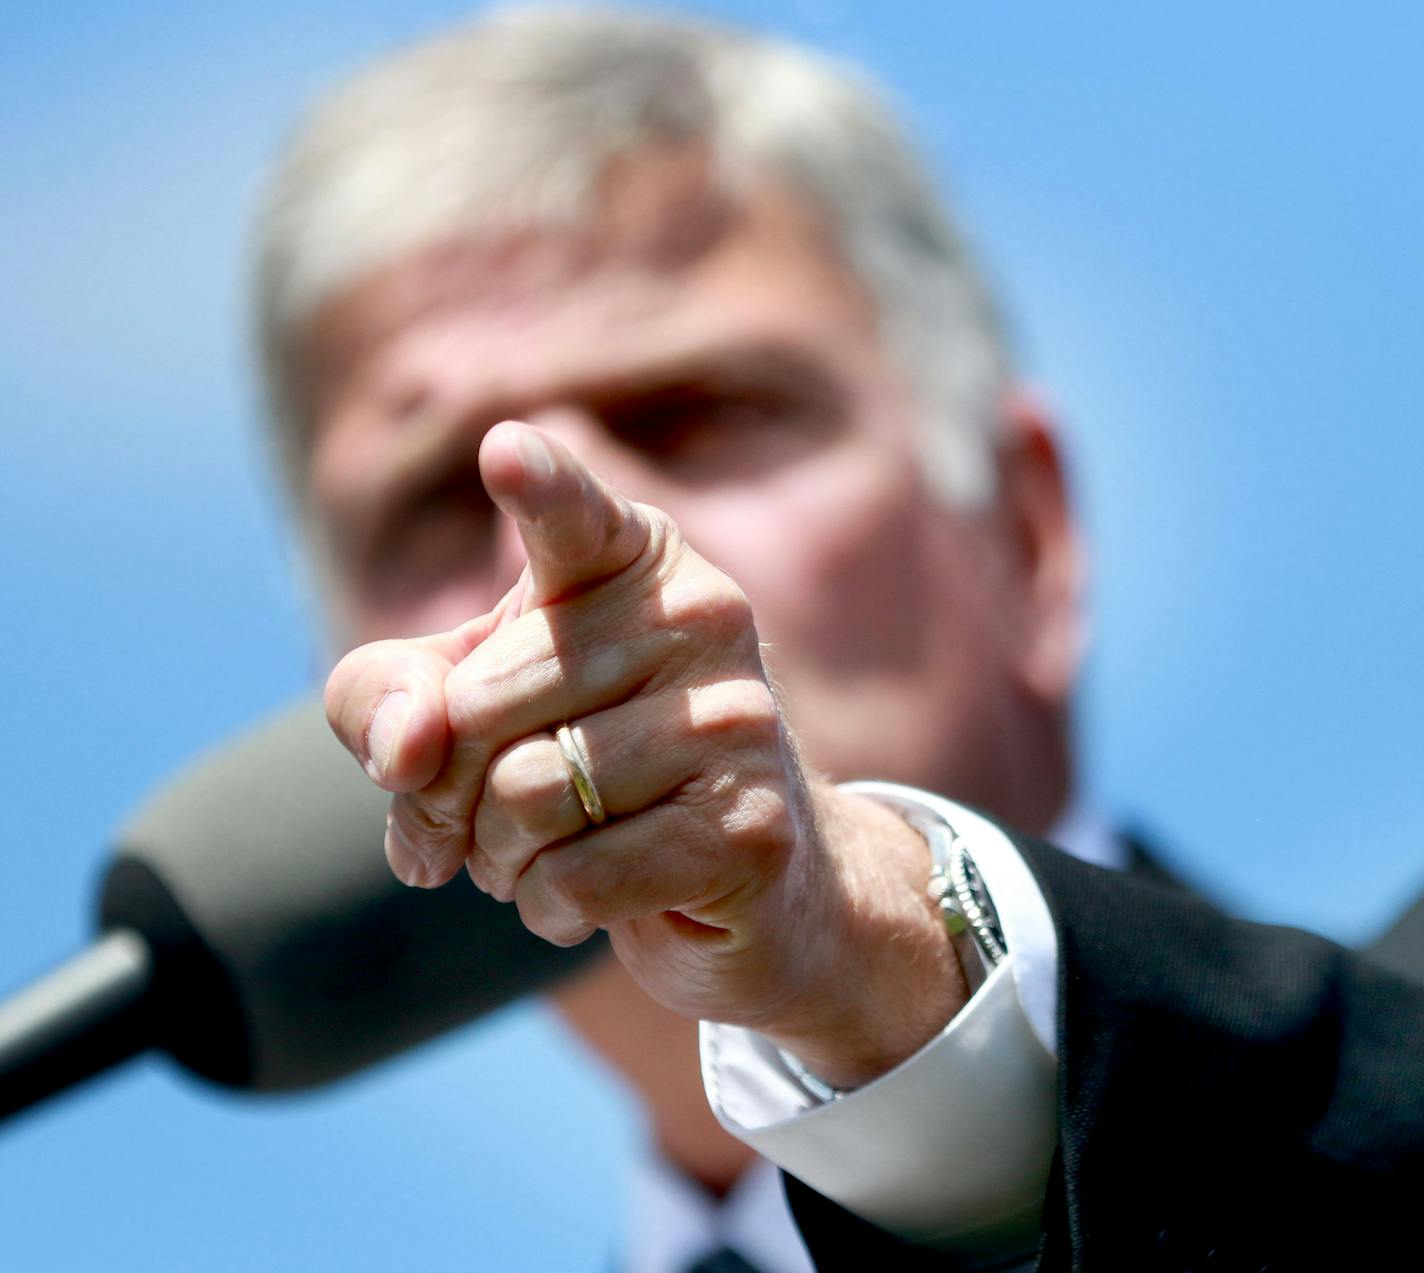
882, 977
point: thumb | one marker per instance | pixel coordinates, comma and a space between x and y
386, 701
577, 530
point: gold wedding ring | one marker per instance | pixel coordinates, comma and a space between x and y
576, 762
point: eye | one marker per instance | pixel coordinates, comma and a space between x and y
431, 535
663, 422
710, 432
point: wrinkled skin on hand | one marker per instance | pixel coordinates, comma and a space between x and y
732, 887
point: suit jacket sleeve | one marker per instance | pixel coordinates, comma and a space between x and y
1231, 1095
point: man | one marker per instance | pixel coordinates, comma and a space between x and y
705, 272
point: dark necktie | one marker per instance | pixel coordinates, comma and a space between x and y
722, 1260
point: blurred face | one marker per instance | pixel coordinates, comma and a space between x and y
715, 361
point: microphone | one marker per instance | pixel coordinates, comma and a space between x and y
250, 927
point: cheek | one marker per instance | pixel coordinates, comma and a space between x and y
881, 614
347, 456
829, 555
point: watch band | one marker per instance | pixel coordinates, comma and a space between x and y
969, 915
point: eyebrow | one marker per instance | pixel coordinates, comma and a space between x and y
755, 366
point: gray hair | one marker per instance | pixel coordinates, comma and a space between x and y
512, 121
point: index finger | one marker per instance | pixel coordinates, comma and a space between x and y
577, 529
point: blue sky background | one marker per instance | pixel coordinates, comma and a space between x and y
1207, 223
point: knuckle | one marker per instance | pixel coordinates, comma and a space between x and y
708, 601
724, 606
520, 778
478, 869
525, 801
547, 909
493, 833
662, 545
472, 698
497, 878
569, 883
430, 825
761, 818
563, 935
740, 713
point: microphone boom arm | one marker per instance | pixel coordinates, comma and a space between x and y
87, 1015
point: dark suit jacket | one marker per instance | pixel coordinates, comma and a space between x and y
1231, 1095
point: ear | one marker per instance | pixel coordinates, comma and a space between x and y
1048, 560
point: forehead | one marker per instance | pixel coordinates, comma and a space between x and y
669, 271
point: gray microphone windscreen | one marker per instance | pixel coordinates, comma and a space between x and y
286, 953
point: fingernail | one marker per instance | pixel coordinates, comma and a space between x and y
387, 725
534, 458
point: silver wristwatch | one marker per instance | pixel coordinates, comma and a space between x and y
969, 915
